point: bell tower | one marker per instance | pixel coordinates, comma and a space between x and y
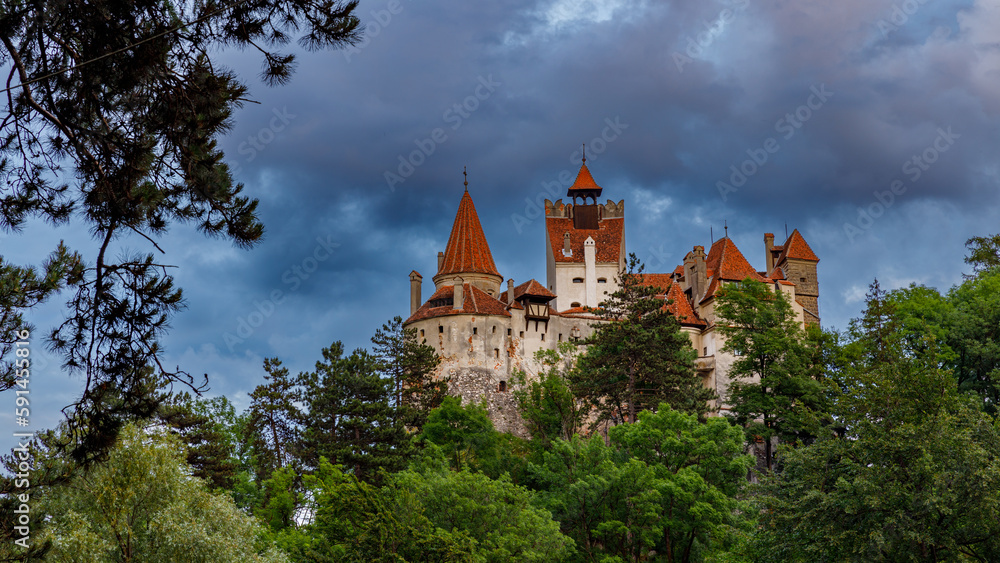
585, 215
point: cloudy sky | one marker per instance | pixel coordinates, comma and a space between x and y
870, 125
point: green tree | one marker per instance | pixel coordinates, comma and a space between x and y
547, 404
959, 331
638, 357
114, 111
665, 485
141, 504
776, 390
465, 434
607, 503
984, 253
210, 450
349, 417
410, 365
272, 430
913, 477
353, 521
21, 288
497, 514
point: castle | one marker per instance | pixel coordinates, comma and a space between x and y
484, 332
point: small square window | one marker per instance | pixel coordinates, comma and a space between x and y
440, 329
560, 337
494, 329
421, 333
508, 332
496, 353
543, 337
522, 334
475, 330
706, 351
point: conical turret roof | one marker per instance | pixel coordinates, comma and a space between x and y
584, 180
467, 250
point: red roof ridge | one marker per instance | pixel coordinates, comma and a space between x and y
467, 250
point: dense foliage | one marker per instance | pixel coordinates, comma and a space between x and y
113, 113
886, 451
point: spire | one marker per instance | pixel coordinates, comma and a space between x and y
467, 250
584, 181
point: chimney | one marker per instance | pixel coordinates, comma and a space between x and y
700, 281
415, 278
769, 258
510, 291
440, 260
567, 251
459, 297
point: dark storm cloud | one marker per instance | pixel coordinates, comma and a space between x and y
512, 90
693, 86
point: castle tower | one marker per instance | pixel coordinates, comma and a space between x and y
798, 263
467, 254
584, 244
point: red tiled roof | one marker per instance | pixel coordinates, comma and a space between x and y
475, 302
712, 287
583, 312
533, 288
608, 237
728, 262
679, 269
662, 281
467, 250
797, 248
584, 180
681, 308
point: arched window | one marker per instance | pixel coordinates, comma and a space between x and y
502, 387
574, 304
577, 280
602, 280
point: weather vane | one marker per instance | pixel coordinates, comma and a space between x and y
585, 153
466, 174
